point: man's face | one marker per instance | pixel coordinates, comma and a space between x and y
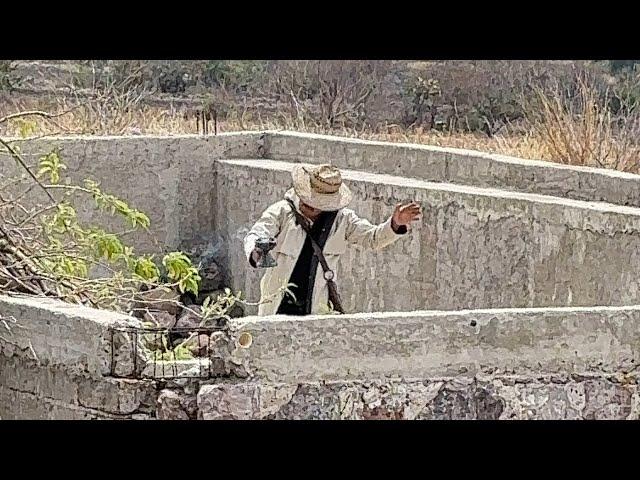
309, 212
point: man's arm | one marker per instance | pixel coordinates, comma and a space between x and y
268, 226
362, 232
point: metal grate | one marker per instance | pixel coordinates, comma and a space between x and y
127, 348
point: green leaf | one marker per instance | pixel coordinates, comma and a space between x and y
26, 127
52, 165
181, 270
107, 245
145, 268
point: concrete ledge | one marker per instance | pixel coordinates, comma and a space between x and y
431, 345
58, 333
452, 165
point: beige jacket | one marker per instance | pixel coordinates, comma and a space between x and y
278, 222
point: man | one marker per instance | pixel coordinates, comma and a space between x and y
318, 194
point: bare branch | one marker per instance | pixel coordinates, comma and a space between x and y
21, 161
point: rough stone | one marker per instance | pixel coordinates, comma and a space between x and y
189, 319
226, 402
425, 345
198, 345
454, 401
117, 396
170, 406
399, 399
317, 401
414, 397
164, 299
141, 416
604, 401
160, 318
242, 401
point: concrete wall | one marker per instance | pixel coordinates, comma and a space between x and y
563, 363
55, 363
170, 178
475, 248
581, 363
452, 165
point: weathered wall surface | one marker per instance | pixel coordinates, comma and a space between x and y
432, 344
475, 248
482, 398
558, 363
451, 165
578, 363
170, 178
55, 363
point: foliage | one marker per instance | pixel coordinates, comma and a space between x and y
48, 250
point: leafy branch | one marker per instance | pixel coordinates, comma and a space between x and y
46, 250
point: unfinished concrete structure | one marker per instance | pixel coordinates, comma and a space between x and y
514, 298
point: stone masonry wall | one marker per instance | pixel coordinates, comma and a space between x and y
482, 398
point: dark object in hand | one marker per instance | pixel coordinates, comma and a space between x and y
265, 245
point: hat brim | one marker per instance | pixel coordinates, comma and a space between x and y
325, 202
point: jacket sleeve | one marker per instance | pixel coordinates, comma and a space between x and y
361, 232
269, 225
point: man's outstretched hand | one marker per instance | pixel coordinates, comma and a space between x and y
403, 215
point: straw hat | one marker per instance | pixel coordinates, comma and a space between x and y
321, 187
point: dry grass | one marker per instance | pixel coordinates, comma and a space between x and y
582, 131
579, 132
145, 119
